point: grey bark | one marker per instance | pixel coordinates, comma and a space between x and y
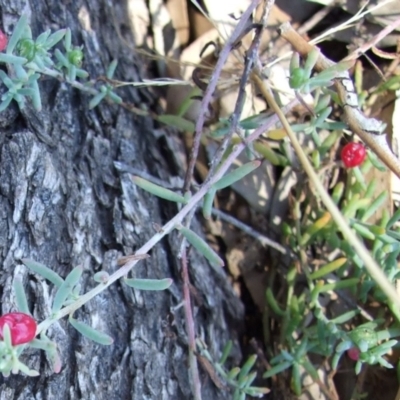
64, 204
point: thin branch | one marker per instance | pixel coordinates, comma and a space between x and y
264, 240
223, 56
193, 368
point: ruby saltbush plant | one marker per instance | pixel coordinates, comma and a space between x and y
306, 329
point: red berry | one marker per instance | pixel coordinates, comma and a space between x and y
22, 327
353, 353
3, 40
353, 154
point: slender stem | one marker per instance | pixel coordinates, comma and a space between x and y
194, 371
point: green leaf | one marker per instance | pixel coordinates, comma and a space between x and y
395, 218
101, 277
343, 284
375, 206
81, 73
158, 190
233, 373
55, 38
226, 352
67, 39
114, 97
311, 60
41, 39
18, 32
91, 333
95, 101
5, 103
72, 73
11, 59
208, 203
175, 121
66, 288
188, 101
43, 271
328, 268
247, 366
273, 303
111, 69
201, 246
20, 297
61, 58
149, 284
277, 369
35, 96
236, 175
294, 62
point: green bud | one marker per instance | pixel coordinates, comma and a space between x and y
75, 56
27, 49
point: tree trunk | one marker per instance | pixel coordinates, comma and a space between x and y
63, 203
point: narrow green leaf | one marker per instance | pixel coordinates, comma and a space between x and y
343, 284
11, 59
296, 379
187, 102
20, 297
270, 155
323, 103
226, 352
81, 73
35, 96
61, 58
149, 284
311, 59
247, 366
41, 39
208, 203
114, 97
175, 121
328, 268
43, 271
19, 30
67, 39
91, 333
375, 206
7, 335
363, 231
72, 73
395, 218
111, 69
101, 277
294, 62
233, 373
201, 246
5, 103
322, 117
55, 38
66, 288
95, 101
158, 190
236, 175
26, 370
277, 369
273, 303
338, 191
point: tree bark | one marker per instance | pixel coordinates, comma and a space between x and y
63, 203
